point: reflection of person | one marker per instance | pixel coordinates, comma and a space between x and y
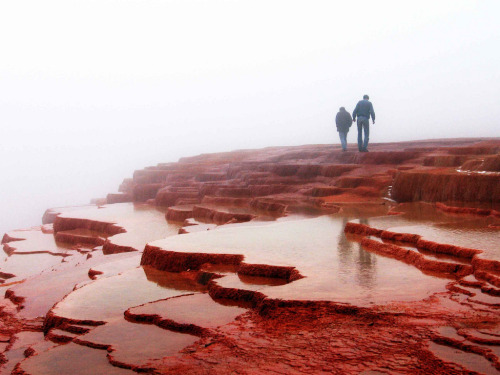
344, 245
363, 110
366, 263
343, 120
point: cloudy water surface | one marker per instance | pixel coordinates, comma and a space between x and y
92, 90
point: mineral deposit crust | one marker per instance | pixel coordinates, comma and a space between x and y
261, 282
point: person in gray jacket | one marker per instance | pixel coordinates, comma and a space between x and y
363, 111
343, 120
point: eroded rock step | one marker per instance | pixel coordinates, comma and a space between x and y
109, 297
333, 268
196, 314
316, 248
39, 293
135, 346
453, 346
69, 359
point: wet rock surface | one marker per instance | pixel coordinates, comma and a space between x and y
281, 260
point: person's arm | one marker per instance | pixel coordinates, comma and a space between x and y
355, 112
337, 120
372, 113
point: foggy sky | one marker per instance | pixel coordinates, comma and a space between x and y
91, 90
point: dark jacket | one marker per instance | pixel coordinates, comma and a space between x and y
364, 108
343, 120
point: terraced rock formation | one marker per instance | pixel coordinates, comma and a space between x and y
281, 260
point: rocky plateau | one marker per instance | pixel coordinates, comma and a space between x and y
283, 260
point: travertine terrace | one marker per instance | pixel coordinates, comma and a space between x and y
276, 261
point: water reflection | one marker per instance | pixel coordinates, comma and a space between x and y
362, 261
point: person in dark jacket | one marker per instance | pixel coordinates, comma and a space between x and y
363, 111
343, 120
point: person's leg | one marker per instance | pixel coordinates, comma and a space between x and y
360, 134
366, 127
343, 139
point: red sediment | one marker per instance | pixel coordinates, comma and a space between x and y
325, 191
209, 189
491, 164
237, 192
178, 214
119, 198
218, 292
259, 190
353, 182
387, 157
268, 205
490, 290
143, 192
416, 240
17, 300
54, 321
392, 211
76, 329
164, 260
166, 323
400, 237
94, 273
75, 239
310, 170
6, 238
335, 170
29, 352
454, 343
58, 338
486, 264
264, 270
9, 250
444, 160
416, 259
268, 307
68, 223
366, 191
486, 164
488, 276
467, 210
445, 185
219, 217
472, 150
362, 229
6, 275
471, 283
226, 201
285, 169
166, 197
211, 176
474, 338
471, 165
111, 248
458, 251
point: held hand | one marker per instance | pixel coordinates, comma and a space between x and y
353, 120
373, 122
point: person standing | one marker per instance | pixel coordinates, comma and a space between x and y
363, 111
343, 120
